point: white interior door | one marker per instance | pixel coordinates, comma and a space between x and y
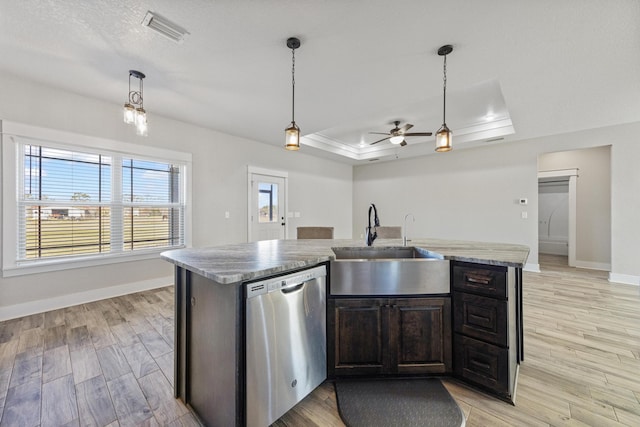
267, 207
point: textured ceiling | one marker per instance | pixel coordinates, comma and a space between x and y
549, 66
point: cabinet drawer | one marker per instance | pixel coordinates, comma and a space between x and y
480, 317
485, 280
481, 363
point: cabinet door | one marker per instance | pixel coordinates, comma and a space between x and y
357, 332
420, 336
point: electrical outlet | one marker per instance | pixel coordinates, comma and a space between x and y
524, 215
227, 215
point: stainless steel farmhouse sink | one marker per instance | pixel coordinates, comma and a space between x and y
387, 271
371, 252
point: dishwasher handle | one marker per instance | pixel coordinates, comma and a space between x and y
290, 282
292, 288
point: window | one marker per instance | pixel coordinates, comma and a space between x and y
76, 203
268, 202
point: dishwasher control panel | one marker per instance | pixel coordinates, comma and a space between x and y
283, 282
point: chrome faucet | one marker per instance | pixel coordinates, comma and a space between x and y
371, 236
404, 229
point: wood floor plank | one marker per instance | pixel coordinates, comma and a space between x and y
56, 363
165, 362
157, 390
22, 405
139, 360
31, 340
59, 405
627, 418
590, 418
54, 318
187, 420
128, 400
26, 369
113, 362
78, 336
94, 403
55, 336
33, 321
155, 344
85, 364
125, 335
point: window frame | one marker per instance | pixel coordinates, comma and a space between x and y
14, 134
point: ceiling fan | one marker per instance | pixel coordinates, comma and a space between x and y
397, 134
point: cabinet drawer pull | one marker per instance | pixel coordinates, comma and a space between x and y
482, 280
481, 365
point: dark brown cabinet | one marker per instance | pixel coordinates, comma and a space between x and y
485, 338
386, 336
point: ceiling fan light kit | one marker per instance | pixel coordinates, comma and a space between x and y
292, 133
444, 135
397, 135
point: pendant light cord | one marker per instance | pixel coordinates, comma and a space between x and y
444, 102
293, 85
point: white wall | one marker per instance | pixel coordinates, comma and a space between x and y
465, 194
471, 193
320, 189
593, 201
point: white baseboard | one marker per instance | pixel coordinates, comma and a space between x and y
533, 268
48, 304
624, 278
593, 265
553, 246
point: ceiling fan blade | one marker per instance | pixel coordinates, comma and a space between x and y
403, 143
418, 134
380, 140
405, 128
379, 133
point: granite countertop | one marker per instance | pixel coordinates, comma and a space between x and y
254, 260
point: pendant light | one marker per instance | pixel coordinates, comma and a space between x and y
444, 134
292, 133
134, 113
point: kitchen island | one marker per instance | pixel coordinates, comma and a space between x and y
210, 350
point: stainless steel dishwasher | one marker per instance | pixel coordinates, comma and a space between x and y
286, 345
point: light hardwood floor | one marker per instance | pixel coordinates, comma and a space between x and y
111, 362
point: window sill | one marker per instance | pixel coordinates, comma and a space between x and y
40, 266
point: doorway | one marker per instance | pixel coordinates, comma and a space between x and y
557, 214
587, 174
267, 201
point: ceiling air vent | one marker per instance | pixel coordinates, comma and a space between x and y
165, 27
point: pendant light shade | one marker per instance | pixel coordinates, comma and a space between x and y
292, 133
444, 136
292, 137
133, 111
443, 139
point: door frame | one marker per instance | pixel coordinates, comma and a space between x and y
569, 175
251, 170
